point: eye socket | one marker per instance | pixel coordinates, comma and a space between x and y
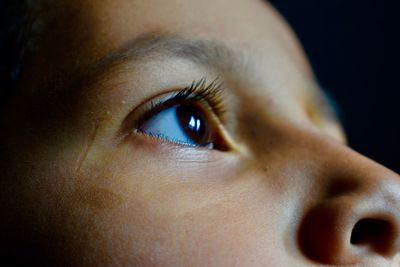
191, 117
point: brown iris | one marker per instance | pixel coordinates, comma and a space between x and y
194, 123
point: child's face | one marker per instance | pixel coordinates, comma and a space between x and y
271, 184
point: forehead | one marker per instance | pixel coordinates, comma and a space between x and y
83, 32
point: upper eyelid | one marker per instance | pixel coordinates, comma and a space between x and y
156, 106
193, 92
198, 92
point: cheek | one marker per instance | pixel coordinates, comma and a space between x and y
220, 234
133, 212
190, 209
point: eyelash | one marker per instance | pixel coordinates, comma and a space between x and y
208, 95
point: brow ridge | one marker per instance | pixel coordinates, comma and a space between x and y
202, 52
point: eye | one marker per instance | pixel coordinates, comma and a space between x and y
185, 124
192, 116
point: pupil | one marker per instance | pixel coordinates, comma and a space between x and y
193, 123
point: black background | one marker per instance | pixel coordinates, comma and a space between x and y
350, 44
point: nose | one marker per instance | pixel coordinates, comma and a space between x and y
357, 218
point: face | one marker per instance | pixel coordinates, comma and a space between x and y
185, 133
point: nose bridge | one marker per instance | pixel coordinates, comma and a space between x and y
338, 161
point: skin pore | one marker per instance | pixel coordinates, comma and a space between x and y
84, 187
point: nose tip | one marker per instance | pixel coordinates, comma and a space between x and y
353, 226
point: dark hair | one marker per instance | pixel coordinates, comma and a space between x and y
17, 28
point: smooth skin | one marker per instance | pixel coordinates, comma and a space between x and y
82, 188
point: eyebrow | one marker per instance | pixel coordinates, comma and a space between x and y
202, 52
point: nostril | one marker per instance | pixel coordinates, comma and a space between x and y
379, 235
